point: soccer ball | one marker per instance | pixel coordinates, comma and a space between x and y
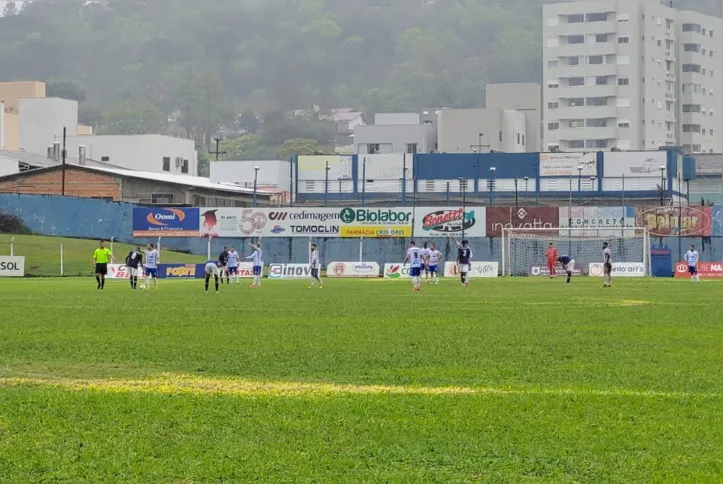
143, 287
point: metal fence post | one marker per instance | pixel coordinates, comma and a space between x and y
62, 268
12, 247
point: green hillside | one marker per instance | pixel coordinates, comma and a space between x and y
42, 254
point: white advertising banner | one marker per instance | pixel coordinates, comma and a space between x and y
588, 219
565, 164
246, 270
352, 269
12, 266
305, 222
119, 271
450, 222
396, 271
636, 164
620, 269
477, 269
289, 271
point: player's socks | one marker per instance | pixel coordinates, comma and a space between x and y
207, 278
102, 282
97, 279
216, 280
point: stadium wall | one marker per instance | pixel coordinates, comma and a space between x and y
95, 219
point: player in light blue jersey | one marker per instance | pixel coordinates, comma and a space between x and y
152, 261
415, 258
692, 258
257, 264
233, 260
315, 266
434, 258
425, 258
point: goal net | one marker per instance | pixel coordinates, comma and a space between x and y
524, 250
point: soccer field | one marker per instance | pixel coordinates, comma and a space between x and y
508, 380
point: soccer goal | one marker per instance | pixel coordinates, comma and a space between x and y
524, 250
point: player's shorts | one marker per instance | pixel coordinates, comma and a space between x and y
571, 266
134, 271
211, 269
464, 268
257, 270
551, 264
314, 272
151, 272
433, 269
101, 269
233, 270
415, 271
693, 269
608, 268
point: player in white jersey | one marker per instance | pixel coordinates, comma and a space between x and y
152, 261
257, 263
607, 265
315, 265
425, 257
434, 257
416, 262
212, 268
692, 258
233, 260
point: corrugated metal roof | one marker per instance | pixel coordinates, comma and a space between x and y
36, 160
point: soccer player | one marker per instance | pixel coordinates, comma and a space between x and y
552, 255
425, 259
212, 268
464, 256
568, 265
314, 264
608, 265
258, 264
434, 259
416, 260
692, 257
101, 257
152, 261
223, 259
233, 260
134, 262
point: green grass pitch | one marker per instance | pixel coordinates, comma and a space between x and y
509, 380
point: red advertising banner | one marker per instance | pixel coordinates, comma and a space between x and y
522, 217
664, 221
707, 270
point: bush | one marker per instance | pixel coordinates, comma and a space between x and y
13, 224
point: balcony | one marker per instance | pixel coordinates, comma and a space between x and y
583, 28
584, 112
586, 70
607, 132
571, 50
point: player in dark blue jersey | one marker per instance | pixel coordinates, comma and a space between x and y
134, 263
568, 265
223, 259
464, 257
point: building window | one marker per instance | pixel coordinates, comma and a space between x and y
184, 167
596, 143
411, 147
597, 101
696, 148
691, 108
710, 132
575, 39
166, 163
596, 122
691, 47
576, 81
601, 38
691, 128
553, 105
601, 80
660, 43
596, 17
691, 67
572, 61
623, 123
500, 136
577, 144
553, 84
668, 44
668, 23
577, 123
162, 198
575, 18
551, 64
623, 81
373, 148
669, 106
523, 139
577, 101
105, 158
595, 59
711, 53
518, 138
623, 39
691, 28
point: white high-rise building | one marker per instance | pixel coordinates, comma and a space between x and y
633, 75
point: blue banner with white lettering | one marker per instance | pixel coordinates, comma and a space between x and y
166, 222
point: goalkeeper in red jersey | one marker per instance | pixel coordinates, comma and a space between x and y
552, 255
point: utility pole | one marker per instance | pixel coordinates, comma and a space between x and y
217, 152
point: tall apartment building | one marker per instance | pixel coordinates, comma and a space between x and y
630, 75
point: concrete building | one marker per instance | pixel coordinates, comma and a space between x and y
147, 152
481, 130
10, 95
700, 48
42, 121
617, 75
271, 173
395, 133
523, 97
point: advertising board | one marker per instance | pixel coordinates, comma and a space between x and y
352, 269
289, 271
477, 269
635, 164
396, 271
522, 217
12, 266
706, 270
180, 271
544, 271
565, 164
166, 222
450, 222
689, 221
118, 271
620, 269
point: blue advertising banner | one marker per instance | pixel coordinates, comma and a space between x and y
166, 222
180, 271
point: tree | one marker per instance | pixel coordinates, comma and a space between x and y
298, 146
246, 147
66, 89
132, 117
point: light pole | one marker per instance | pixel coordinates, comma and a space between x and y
256, 179
623, 196
579, 183
516, 197
217, 139
326, 185
527, 179
463, 188
662, 184
492, 186
364, 180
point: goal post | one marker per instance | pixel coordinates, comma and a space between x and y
524, 249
